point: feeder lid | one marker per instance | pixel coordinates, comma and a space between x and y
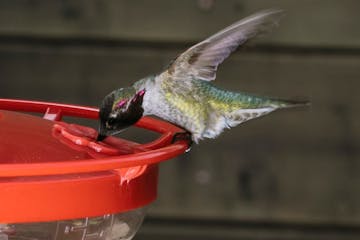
53, 170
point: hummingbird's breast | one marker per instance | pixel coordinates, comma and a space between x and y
179, 102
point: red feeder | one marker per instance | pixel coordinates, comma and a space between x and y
56, 180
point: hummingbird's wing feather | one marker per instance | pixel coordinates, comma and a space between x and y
201, 60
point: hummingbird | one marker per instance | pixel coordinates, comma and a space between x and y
184, 94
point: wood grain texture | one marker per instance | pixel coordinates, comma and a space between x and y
320, 23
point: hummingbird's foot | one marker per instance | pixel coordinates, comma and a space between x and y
183, 136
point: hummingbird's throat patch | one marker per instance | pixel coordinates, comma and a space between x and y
121, 103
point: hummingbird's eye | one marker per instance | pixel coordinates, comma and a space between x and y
110, 122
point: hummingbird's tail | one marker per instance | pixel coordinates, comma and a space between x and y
280, 103
259, 107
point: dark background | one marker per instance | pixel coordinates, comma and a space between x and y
290, 175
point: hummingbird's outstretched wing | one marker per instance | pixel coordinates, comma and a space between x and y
202, 60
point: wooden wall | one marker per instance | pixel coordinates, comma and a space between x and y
298, 167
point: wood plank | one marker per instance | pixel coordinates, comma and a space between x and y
188, 228
320, 23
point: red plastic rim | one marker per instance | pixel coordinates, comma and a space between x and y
159, 150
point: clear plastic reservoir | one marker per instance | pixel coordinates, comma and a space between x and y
121, 226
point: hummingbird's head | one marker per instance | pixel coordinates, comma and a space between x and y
119, 110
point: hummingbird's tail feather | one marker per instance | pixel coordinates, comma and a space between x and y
280, 103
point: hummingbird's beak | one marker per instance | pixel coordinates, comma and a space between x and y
102, 133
